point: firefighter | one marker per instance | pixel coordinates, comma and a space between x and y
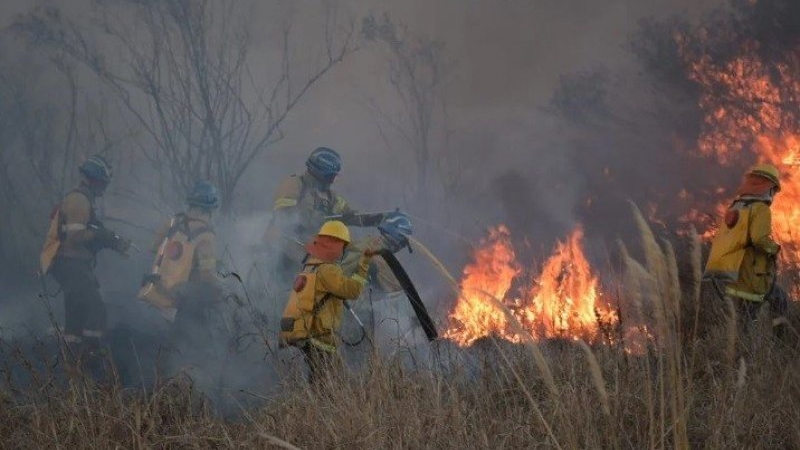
73, 241
314, 311
184, 284
303, 203
743, 252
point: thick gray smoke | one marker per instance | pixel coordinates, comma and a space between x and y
499, 153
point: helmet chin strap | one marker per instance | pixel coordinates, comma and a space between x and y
322, 182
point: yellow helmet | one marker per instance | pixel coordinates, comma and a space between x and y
335, 228
767, 171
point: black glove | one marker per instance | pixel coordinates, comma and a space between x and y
349, 219
103, 237
121, 245
371, 220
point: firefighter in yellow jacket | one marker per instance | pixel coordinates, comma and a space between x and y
314, 311
302, 204
74, 238
743, 251
184, 283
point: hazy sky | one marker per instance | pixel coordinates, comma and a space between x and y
508, 56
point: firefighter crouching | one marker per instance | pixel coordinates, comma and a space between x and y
743, 253
73, 241
314, 311
183, 284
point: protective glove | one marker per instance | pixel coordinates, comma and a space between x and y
349, 218
103, 237
372, 220
364, 261
773, 257
121, 245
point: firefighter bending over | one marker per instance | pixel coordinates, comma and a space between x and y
73, 241
743, 252
314, 311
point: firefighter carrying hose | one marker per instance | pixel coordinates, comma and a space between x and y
301, 206
73, 241
184, 284
743, 253
314, 311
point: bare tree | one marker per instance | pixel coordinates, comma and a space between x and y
418, 72
41, 138
186, 80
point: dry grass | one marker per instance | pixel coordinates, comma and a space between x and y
703, 382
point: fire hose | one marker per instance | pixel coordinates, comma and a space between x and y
363, 219
411, 292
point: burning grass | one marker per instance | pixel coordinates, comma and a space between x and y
702, 382
563, 300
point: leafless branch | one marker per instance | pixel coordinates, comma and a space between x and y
184, 81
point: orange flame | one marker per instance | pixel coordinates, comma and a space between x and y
490, 275
751, 107
564, 301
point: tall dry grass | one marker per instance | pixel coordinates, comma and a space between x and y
702, 382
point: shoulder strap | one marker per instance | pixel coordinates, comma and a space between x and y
81, 190
314, 267
179, 225
318, 305
182, 226
205, 228
60, 222
84, 192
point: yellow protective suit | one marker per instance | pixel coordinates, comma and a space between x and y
185, 255
758, 266
747, 244
301, 205
69, 234
313, 313
68, 255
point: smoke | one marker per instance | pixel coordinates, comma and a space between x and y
550, 122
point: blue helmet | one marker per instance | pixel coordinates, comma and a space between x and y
396, 227
324, 163
203, 195
96, 168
